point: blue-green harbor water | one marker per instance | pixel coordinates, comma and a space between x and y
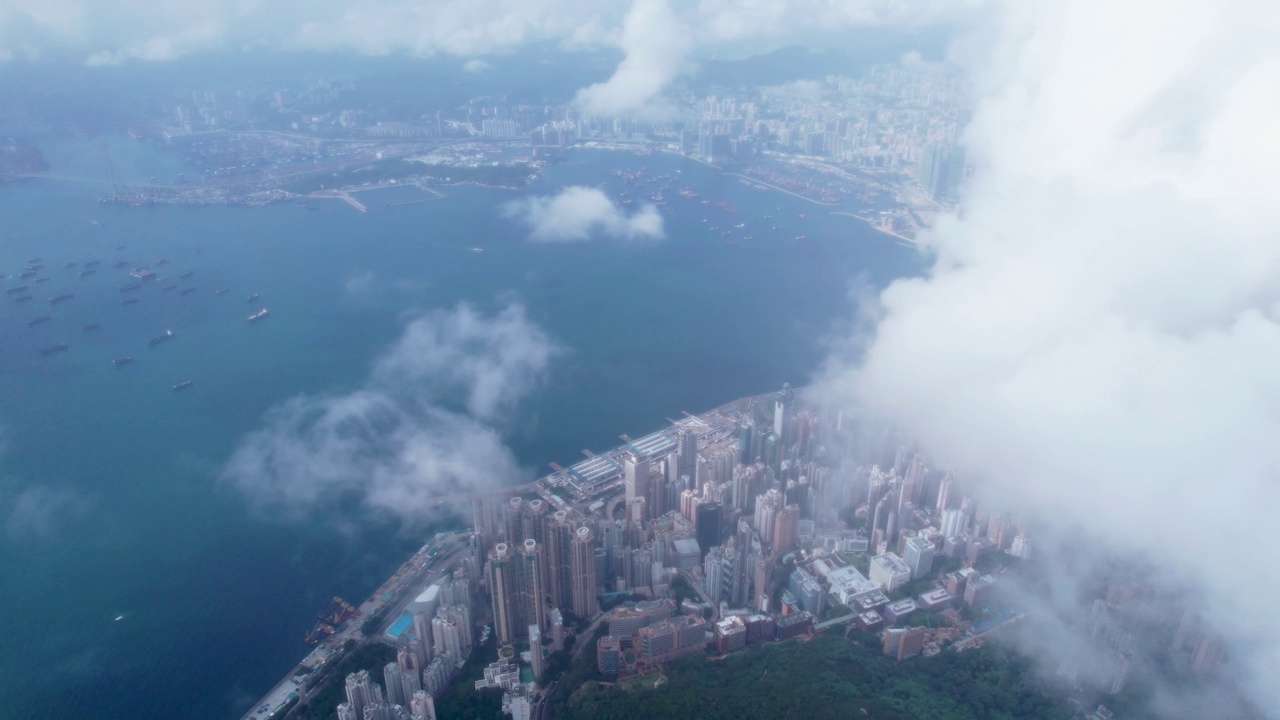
108, 478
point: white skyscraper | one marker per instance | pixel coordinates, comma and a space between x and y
636, 477
919, 556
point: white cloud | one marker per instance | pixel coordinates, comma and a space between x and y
393, 447
492, 362
580, 213
476, 65
1098, 337
39, 512
657, 45
157, 30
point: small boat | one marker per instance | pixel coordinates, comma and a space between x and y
252, 297
93, 263
121, 247
42, 280
169, 287
33, 261
129, 301
258, 315
182, 385
91, 327
222, 291
168, 335
69, 265
60, 298
54, 349
22, 299
119, 264
27, 275
15, 290
87, 273
119, 618
39, 321
162, 262
122, 360
129, 286
187, 291
186, 274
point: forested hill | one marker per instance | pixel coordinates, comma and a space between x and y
831, 677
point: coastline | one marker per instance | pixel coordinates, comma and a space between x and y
782, 190
912, 241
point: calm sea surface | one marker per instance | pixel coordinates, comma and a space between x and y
109, 495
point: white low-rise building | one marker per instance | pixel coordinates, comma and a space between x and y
890, 571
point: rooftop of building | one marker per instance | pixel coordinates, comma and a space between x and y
936, 596
595, 470
795, 618
902, 606
891, 563
653, 445
687, 546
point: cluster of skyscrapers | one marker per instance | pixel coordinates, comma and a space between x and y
683, 532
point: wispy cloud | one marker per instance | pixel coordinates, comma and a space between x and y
393, 447
39, 512
580, 213
1095, 342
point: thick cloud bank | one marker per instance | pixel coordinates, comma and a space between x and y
1098, 338
581, 213
392, 447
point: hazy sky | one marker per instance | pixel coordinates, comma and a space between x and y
658, 39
